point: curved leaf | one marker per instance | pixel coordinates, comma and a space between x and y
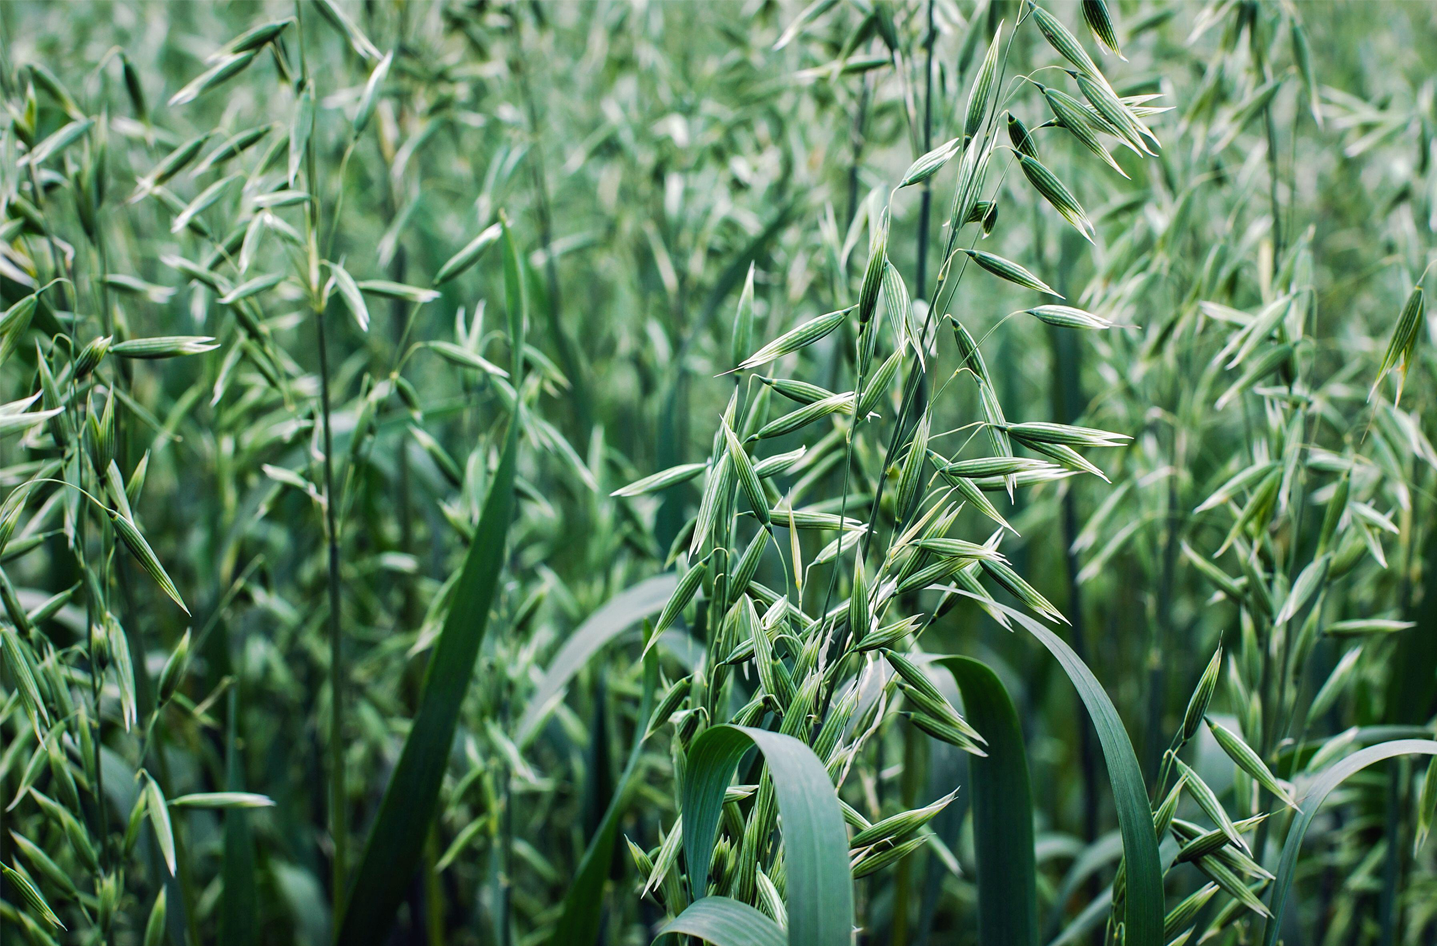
1002, 810
726, 922
411, 799
1144, 900
1312, 800
820, 884
620, 613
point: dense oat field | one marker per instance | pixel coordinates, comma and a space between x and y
868, 472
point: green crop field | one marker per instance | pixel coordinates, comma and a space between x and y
754, 472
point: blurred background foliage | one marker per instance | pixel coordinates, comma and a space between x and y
645, 155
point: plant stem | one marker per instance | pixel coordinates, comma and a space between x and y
336, 663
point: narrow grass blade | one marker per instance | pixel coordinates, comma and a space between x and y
1144, 900
411, 799
1311, 801
1002, 810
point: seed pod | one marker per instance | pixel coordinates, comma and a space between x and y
136, 482
20, 661
840, 714
982, 92
155, 925
897, 827
1231, 884
1185, 912
206, 199
102, 435
134, 88
956, 548
340, 20
57, 142
1246, 759
945, 732
931, 574
747, 565
742, 336
370, 99
994, 466
31, 895
890, 634
36, 857
859, 615
931, 163
715, 495
798, 714
10, 511
669, 704
970, 173
660, 480
159, 816
16, 319
1163, 815
1404, 341
839, 403
1202, 695
1020, 589
1332, 516
1055, 192
795, 339
349, 292
1227, 855
109, 899
166, 346
254, 38
986, 213
1020, 137
134, 823
643, 863
218, 74
1114, 114
880, 857
801, 391
1276, 357
233, 147
1206, 800
1074, 117
100, 644
138, 547
684, 592
1201, 846
1063, 41
468, 256
1006, 269
174, 669
75, 833
747, 478
925, 696
873, 274
910, 476
1067, 434
773, 676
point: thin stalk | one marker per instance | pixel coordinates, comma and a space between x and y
336, 666
581, 401
1067, 397
925, 206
